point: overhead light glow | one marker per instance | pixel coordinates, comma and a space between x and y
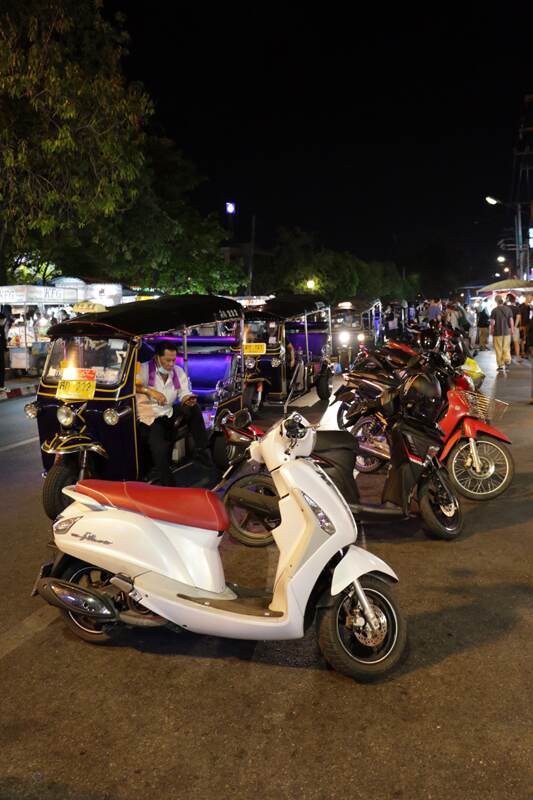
230, 208
492, 201
501, 259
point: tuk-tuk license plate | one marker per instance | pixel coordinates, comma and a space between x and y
255, 349
76, 390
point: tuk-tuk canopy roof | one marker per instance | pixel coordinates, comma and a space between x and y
153, 316
294, 305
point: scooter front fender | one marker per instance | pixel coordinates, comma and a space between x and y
473, 427
355, 563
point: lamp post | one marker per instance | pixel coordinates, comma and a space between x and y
522, 269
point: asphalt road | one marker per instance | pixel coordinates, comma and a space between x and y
183, 716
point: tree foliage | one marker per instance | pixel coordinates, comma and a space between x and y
297, 259
70, 126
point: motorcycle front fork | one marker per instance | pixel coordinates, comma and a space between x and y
475, 455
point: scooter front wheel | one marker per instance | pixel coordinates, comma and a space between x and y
440, 508
348, 642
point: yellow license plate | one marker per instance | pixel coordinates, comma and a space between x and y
255, 349
76, 390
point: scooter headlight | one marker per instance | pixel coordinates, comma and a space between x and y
31, 410
65, 416
360, 337
322, 518
111, 416
249, 363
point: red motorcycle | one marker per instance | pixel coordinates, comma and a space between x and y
479, 462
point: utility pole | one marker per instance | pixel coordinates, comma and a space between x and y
251, 258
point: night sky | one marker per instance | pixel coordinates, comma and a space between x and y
381, 132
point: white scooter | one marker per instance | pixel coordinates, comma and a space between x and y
135, 554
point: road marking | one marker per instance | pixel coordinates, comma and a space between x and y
19, 444
25, 630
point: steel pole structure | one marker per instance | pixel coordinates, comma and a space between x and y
519, 243
251, 260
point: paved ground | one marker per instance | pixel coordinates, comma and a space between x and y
171, 716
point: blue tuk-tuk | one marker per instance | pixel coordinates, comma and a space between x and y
287, 348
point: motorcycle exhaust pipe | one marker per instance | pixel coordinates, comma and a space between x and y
375, 450
254, 500
76, 599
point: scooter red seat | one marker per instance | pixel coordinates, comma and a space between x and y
198, 508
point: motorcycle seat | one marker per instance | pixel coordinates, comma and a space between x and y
196, 508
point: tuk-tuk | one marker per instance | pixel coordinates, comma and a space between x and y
287, 347
85, 406
356, 324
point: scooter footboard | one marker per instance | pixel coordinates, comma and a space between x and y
355, 563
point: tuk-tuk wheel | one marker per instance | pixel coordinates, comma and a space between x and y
54, 501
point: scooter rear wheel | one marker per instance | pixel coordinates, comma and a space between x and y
348, 643
85, 628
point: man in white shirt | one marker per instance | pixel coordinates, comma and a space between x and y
164, 393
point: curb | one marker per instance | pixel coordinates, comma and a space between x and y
19, 391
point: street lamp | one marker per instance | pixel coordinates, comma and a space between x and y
497, 275
521, 269
501, 259
506, 269
310, 283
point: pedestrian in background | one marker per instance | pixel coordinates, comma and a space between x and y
502, 329
3, 350
511, 303
435, 310
524, 310
471, 316
483, 323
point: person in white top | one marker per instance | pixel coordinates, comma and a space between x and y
163, 394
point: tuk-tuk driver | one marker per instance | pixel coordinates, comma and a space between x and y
164, 395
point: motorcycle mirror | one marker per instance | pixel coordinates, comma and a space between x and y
242, 418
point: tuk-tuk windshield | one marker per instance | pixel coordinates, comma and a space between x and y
261, 331
104, 357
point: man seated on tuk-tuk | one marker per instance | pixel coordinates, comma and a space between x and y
164, 395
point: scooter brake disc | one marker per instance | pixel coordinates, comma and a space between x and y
363, 632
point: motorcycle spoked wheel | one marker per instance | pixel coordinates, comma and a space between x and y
363, 429
442, 518
497, 468
85, 628
349, 644
249, 526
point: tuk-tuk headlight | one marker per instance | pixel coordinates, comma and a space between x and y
344, 337
65, 416
31, 410
249, 363
111, 416
276, 361
360, 337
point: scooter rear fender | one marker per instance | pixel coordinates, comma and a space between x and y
355, 563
